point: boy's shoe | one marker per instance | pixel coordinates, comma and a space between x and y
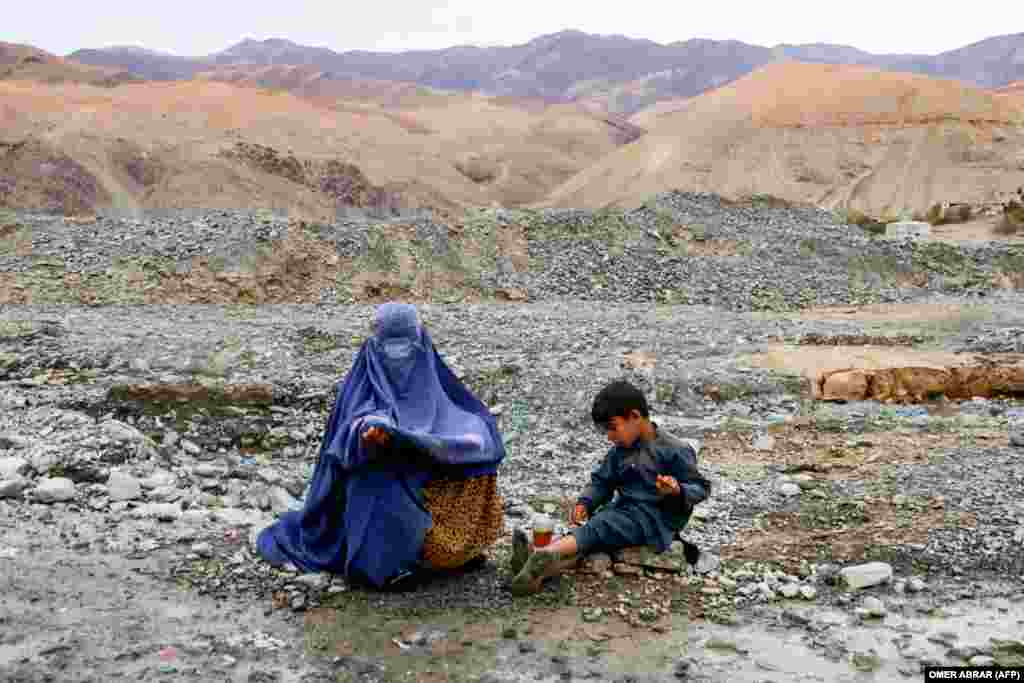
530, 579
520, 551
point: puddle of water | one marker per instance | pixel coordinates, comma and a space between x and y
783, 653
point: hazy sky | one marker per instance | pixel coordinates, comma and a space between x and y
197, 27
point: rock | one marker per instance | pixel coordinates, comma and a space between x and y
765, 442
14, 442
316, 581
808, 592
190, 447
121, 432
162, 512
865, 575
13, 467
207, 470
159, 479
916, 585
789, 590
282, 501
122, 486
672, 560
12, 488
708, 563
915, 230
268, 476
165, 494
899, 587
789, 489
596, 563
623, 569
55, 490
204, 550
682, 668
873, 607
1017, 437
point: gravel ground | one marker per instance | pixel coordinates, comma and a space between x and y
153, 502
128, 521
752, 257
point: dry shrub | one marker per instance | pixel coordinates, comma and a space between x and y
1012, 220
954, 214
477, 170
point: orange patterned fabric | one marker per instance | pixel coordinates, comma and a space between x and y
468, 517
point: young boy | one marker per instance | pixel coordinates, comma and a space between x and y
655, 476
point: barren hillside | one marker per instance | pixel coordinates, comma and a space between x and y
24, 62
205, 143
832, 135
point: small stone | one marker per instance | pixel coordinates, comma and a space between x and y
789, 590
298, 603
162, 512
874, 607
682, 668
165, 494
314, 581
596, 563
204, 550
764, 442
808, 592
899, 587
789, 489
981, 660
207, 470
190, 447
1017, 437
916, 585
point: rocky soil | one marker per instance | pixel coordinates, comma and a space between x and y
142, 447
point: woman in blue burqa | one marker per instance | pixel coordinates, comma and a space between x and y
406, 478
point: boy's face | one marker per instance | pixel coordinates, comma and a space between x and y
624, 431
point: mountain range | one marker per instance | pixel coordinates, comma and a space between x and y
619, 74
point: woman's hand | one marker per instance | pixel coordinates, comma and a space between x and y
667, 486
377, 436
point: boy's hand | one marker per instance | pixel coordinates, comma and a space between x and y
377, 436
667, 486
579, 514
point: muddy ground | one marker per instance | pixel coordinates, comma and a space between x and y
103, 586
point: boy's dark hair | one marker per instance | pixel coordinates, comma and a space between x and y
618, 399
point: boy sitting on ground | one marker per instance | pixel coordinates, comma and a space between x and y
658, 484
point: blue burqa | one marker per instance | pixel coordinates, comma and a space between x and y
364, 515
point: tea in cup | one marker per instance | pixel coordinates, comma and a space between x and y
543, 531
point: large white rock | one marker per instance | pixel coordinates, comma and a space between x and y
865, 575
55, 490
123, 486
918, 230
